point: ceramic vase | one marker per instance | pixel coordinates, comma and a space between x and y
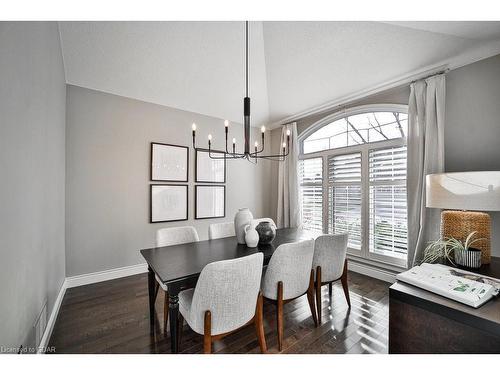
241, 219
266, 231
251, 236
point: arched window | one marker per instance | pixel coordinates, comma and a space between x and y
353, 179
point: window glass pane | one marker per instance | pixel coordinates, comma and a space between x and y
358, 129
329, 136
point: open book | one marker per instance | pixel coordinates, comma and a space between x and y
466, 287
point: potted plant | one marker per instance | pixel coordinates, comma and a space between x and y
447, 248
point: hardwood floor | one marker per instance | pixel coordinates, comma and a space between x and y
112, 317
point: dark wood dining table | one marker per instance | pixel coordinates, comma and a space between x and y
179, 266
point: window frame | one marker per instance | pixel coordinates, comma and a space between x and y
364, 253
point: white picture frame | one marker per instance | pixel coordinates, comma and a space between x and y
210, 201
168, 203
210, 170
169, 163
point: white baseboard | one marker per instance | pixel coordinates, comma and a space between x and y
52, 320
89, 278
371, 271
96, 277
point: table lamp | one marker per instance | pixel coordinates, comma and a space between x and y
468, 192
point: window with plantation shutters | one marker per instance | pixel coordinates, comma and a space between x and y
353, 179
344, 197
388, 215
311, 193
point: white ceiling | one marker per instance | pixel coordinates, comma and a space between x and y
294, 66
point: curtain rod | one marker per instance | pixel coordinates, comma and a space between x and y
362, 94
432, 75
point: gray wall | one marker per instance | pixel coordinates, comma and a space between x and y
32, 166
107, 176
472, 133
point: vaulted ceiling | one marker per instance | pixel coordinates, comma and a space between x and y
294, 66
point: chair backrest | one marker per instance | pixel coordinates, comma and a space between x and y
290, 263
330, 251
176, 236
256, 222
221, 230
229, 289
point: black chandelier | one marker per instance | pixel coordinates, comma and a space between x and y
257, 153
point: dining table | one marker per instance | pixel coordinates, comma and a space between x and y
179, 266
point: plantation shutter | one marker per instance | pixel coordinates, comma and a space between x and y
344, 190
388, 213
311, 193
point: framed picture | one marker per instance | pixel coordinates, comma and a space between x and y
169, 162
210, 201
209, 170
168, 203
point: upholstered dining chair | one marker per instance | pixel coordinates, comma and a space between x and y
330, 264
169, 237
288, 276
221, 230
225, 299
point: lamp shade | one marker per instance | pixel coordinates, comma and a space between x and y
478, 191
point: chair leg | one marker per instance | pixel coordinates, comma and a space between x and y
344, 284
310, 298
165, 311
259, 324
180, 326
279, 315
330, 290
207, 333
318, 293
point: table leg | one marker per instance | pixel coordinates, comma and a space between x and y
173, 312
151, 289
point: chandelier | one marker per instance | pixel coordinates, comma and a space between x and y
247, 154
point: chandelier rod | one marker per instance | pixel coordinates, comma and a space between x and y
246, 55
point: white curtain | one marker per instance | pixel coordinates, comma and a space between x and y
288, 215
425, 156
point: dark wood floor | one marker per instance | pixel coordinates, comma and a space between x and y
112, 317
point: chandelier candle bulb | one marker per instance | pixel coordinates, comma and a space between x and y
226, 126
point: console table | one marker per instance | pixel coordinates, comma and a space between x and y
424, 322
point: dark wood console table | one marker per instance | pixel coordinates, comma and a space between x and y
424, 322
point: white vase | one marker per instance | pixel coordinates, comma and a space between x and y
251, 236
241, 219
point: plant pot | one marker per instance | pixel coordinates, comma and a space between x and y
470, 258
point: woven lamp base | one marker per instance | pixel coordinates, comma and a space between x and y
459, 224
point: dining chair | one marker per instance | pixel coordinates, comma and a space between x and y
169, 237
288, 276
221, 230
225, 299
330, 264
